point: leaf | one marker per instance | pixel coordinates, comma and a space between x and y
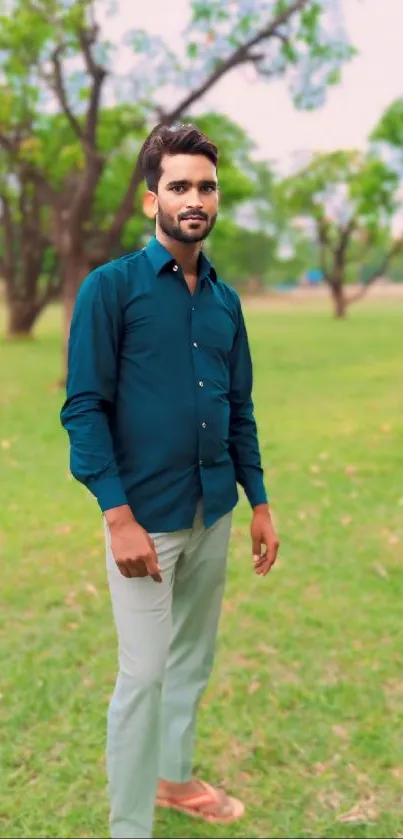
91, 589
253, 687
346, 520
192, 49
5, 444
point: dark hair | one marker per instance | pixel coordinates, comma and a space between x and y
182, 139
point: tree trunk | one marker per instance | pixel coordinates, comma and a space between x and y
75, 269
21, 317
339, 300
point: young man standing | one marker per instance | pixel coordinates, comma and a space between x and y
161, 426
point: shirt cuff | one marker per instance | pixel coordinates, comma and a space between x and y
109, 492
255, 491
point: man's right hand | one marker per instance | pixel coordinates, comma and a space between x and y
133, 549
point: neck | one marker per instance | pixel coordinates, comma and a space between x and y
186, 255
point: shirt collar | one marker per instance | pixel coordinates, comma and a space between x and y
161, 259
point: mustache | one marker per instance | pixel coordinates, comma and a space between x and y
193, 214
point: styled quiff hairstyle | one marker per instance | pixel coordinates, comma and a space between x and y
182, 139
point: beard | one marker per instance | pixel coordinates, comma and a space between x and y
173, 229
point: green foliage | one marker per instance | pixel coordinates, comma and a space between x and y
240, 254
346, 201
342, 186
29, 34
236, 169
390, 126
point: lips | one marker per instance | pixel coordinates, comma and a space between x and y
193, 218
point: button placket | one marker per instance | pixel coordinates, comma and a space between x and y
200, 383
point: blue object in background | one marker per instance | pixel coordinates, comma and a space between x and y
314, 276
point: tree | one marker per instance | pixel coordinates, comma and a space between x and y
27, 260
52, 56
30, 283
348, 201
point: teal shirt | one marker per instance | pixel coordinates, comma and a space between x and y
159, 409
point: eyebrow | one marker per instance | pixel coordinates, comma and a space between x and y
184, 182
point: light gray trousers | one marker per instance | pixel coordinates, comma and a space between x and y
166, 634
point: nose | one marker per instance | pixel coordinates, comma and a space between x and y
194, 201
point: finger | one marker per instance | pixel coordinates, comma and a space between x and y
271, 560
152, 565
124, 570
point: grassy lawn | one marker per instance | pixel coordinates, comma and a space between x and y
303, 718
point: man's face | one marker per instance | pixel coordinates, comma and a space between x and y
187, 197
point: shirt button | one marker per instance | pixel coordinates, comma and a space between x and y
195, 344
175, 268
201, 384
193, 308
204, 425
200, 463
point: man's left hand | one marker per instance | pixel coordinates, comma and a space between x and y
265, 543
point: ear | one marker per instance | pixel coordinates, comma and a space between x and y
150, 204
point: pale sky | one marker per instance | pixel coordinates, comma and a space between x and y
369, 82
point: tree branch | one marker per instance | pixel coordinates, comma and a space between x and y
60, 91
46, 193
393, 251
344, 239
87, 38
123, 212
240, 55
7, 144
324, 247
6, 220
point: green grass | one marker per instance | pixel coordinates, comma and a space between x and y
303, 718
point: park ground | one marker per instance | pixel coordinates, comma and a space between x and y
303, 718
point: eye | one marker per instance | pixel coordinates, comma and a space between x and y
208, 188
178, 189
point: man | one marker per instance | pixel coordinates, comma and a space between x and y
161, 427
